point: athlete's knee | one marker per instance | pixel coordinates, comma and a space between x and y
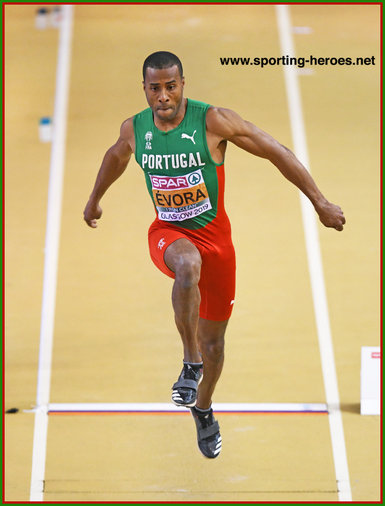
184, 259
188, 270
213, 349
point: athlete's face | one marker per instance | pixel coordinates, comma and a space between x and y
164, 92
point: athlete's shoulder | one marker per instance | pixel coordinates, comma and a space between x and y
221, 113
222, 121
127, 127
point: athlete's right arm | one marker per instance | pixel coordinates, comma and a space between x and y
114, 164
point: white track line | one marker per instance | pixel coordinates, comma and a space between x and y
315, 264
51, 254
158, 407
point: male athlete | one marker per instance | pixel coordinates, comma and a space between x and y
180, 144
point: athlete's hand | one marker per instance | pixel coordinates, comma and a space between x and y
331, 215
92, 213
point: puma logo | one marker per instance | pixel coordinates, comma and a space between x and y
191, 137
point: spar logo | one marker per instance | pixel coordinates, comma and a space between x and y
176, 182
169, 183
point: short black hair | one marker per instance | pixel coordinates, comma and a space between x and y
162, 60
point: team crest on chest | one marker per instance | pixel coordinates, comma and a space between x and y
148, 139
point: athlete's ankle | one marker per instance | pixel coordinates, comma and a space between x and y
192, 358
203, 411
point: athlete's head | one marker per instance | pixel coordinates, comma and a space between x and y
162, 60
163, 84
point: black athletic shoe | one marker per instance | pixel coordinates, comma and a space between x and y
184, 391
209, 437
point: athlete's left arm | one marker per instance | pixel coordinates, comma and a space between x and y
228, 125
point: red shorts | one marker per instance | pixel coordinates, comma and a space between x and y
217, 281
